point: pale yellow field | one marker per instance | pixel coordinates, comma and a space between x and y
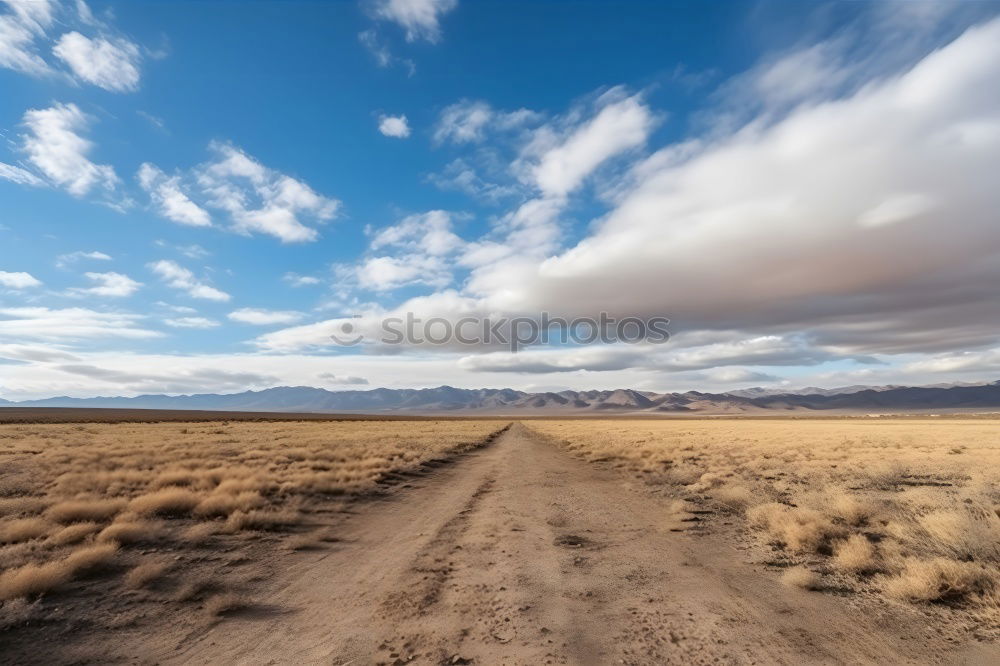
907, 510
83, 500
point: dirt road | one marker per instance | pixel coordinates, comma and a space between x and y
521, 554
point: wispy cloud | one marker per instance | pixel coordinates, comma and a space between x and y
31, 27
115, 285
169, 199
55, 145
178, 277
261, 317
112, 64
420, 19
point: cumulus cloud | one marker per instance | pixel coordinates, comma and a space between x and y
429, 233
18, 280
419, 18
115, 285
55, 146
463, 122
261, 317
557, 165
170, 199
394, 126
390, 272
260, 199
420, 245
112, 64
29, 28
178, 277
865, 219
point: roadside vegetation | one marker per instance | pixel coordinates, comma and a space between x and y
175, 513
904, 510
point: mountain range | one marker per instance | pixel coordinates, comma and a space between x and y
948, 398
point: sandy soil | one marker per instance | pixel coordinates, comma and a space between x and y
521, 554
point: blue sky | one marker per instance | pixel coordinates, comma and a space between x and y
194, 194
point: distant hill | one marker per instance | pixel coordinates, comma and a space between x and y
447, 399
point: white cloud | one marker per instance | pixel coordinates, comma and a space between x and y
297, 280
423, 243
18, 280
26, 31
463, 122
110, 284
35, 353
419, 18
56, 148
557, 165
170, 200
394, 126
380, 51
19, 29
429, 233
178, 277
191, 322
388, 272
110, 64
260, 199
40, 323
262, 317
460, 175
16, 174
865, 220
341, 380
66, 260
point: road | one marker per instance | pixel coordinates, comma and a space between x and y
519, 553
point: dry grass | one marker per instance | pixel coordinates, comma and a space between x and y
146, 573
130, 532
856, 554
23, 529
884, 506
73, 511
32, 579
939, 579
170, 502
74, 533
225, 602
801, 577
79, 498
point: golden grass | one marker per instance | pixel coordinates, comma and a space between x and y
32, 579
801, 577
146, 573
72, 511
23, 529
908, 508
74, 533
856, 554
130, 532
83, 492
224, 602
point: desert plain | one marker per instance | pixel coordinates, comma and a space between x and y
493, 541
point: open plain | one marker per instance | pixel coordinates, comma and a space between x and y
574, 542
